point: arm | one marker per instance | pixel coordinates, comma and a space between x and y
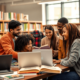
7, 47
73, 57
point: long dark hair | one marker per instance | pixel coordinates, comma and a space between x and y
73, 33
53, 39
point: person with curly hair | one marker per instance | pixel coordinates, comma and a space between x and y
24, 43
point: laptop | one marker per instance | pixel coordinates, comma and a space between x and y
29, 59
46, 56
5, 63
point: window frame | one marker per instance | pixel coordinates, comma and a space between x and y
62, 10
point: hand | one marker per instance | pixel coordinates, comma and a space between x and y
56, 61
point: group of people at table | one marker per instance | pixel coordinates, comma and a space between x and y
65, 47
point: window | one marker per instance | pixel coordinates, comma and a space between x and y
53, 13
70, 10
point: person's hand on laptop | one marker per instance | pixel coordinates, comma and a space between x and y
56, 61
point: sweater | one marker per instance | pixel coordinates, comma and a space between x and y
73, 58
45, 41
7, 45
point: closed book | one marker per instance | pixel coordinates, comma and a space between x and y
12, 16
1, 27
0, 15
6, 16
13, 77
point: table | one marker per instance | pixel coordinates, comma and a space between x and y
41, 76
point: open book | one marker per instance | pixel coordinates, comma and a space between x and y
43, 68
42, 47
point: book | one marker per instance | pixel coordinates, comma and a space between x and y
13, 77
24, 27
42, 47
38, 27
43, 68
3, 72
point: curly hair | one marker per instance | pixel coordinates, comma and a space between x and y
22, 41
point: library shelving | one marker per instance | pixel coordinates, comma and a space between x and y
26, 27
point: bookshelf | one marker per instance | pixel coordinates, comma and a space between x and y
26, 27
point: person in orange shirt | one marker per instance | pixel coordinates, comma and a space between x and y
61, 52
7, 41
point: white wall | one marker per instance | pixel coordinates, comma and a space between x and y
33, 10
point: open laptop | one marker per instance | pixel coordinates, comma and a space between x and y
5, 63
46, 56
29, 59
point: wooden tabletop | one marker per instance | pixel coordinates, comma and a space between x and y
40, 76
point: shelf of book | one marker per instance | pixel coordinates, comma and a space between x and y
26, 27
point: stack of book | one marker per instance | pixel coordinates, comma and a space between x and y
24, 27
38, 27
32, 27
10, 16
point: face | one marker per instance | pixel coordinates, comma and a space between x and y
60, 26
49, 33
16, 31
65, 34
28, 48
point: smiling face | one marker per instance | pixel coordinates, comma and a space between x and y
49, 33
16, 31
65, 34
28, 47
60, 26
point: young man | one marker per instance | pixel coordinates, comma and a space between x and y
7, 41
61, 52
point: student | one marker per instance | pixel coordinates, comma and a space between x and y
61, 52
7, 41
51, 39
72, 38
24, 43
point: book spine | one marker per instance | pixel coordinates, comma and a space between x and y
0, 15
0, 27
9, 16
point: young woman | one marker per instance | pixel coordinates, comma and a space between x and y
72, 39
24, 43
51, 39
